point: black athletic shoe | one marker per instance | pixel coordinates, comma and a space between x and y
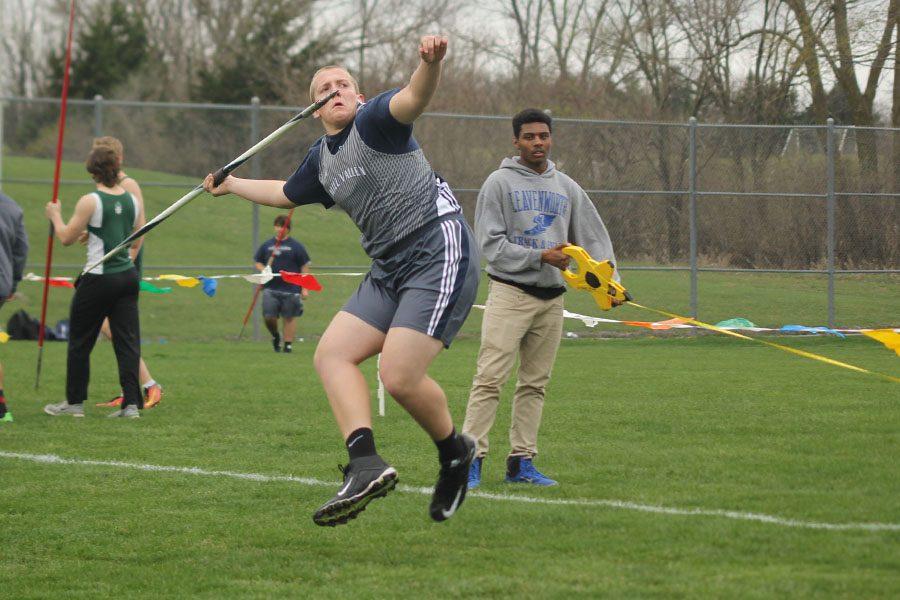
276, 343
288, 348
452, 483
365, 479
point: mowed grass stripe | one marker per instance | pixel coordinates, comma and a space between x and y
584, 502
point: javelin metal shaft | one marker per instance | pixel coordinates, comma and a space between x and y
218, 177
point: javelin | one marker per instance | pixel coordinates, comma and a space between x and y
54, 199
218, 177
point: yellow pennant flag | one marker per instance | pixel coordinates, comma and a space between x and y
888, 337
181, 280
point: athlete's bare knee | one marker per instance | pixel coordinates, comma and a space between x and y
323, 359
399, 383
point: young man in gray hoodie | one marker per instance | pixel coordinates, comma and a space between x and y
527, 212
13, 252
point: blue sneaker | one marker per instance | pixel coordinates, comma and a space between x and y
520, 469
475, 473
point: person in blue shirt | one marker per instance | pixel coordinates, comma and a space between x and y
419, 290
280, 298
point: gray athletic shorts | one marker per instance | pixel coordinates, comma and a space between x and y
428, 283
281, 304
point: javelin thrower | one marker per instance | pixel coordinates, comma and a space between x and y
420, 289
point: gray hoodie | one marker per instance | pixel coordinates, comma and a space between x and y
13, 246
520, 213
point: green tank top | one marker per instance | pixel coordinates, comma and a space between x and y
112, 221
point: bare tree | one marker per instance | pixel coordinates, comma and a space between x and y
527, 16
662, 60
835, 48
24, 37
895, 116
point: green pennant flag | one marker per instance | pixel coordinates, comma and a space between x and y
149, 287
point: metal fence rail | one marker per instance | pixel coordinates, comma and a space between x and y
696, 197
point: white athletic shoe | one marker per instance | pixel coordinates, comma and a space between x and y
129, 412
64, 408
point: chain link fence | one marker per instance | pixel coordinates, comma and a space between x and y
675, 196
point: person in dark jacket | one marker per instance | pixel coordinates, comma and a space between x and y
13, 251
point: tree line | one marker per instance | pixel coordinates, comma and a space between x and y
769, 61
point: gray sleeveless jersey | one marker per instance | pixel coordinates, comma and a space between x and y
388, 196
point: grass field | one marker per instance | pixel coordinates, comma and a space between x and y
689, 466
700, 423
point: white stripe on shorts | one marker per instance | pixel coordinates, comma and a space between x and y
446, 201
452, 253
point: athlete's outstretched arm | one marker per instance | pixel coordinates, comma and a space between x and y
268, 192
410, 102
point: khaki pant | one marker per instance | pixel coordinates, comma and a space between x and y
515, 323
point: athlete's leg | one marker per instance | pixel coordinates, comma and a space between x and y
537, 356
346, 343
87, 312
405, 359
124, 322
144, 373
271, 325
290, 328
506, 320
2, 398
105, 331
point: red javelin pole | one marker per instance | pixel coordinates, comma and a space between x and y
59, 148
278, 238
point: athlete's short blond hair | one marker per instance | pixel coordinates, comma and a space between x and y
312, 82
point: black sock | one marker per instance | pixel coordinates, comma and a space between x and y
2, 405
361, 443
451, 447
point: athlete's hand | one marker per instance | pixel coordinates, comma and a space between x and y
219, 190
53, 209
83, 238
554, 256
433, 48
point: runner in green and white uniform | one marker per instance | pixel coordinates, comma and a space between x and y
152, 391
109, 290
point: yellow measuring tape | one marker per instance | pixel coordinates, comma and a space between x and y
596, 278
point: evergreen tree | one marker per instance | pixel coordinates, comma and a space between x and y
110, 47
260, 62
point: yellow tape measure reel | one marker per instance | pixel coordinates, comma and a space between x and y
594, 276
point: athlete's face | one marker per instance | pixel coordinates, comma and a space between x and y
341, 109
534, 144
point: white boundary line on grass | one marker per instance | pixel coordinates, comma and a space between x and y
585, 503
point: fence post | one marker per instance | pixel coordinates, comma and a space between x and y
98, 116
692, 142
255, 174
830, 208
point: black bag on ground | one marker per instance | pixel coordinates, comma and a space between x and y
22, 326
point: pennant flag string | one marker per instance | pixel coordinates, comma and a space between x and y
890, 337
